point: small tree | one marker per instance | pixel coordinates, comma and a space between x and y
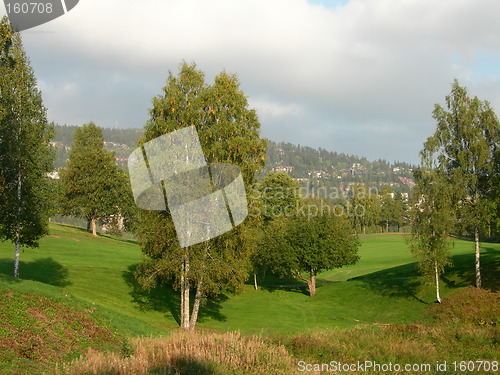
93, 187
432, 221
464, 145
277, 196
316, 239
25, 153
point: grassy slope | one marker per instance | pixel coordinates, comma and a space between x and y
382, 288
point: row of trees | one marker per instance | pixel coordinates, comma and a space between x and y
373, 210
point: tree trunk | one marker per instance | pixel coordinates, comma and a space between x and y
387, 226
478, 256
311, 283
196, 306
255, 286
18, 227
94, 226
185, 293
438, 297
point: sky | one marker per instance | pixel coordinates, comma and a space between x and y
354, 76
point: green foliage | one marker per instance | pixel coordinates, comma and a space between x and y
92, 186
466, 144
432, 222
392, 208
315, 239
229, 133
365, 207
279, 194
25, 153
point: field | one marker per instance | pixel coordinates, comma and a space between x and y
383, 289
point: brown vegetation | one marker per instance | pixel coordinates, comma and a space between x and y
193, 352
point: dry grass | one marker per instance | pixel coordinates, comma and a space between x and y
466, 326
191, 353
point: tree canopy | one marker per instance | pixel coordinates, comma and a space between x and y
304, 245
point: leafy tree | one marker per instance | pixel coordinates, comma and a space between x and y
465, 144
25, 153
364, 207
392, 210
276, 195
229, 133
401, 209
93, 187
388, 212
316, 239
279, 193
432, 222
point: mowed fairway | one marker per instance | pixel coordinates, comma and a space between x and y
384, 287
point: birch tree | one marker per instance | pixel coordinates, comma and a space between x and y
432, 221
229, 133
25, 153
464, 145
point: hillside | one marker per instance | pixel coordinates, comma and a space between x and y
75, 278
317, 167
37, 331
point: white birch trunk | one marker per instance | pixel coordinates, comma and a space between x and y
18, 227
185, 294
478, 256
196, 305
438, 297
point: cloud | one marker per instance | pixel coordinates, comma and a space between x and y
375, 67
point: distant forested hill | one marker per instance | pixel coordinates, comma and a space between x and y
307, 164
121, 141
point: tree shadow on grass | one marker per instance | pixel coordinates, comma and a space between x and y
185, 367
44, 270
405, 280
463, 272
402, 282
166, 300
271, 283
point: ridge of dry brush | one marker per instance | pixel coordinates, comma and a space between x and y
196, 353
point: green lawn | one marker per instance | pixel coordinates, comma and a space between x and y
384, 287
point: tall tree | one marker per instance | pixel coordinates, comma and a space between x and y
432, 222
464, 144
93, 187
229, 133
315, 239
25, 153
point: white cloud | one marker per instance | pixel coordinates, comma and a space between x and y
308, 69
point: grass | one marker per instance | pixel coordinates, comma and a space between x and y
458, 329
380, 298
36, 332
384, 287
